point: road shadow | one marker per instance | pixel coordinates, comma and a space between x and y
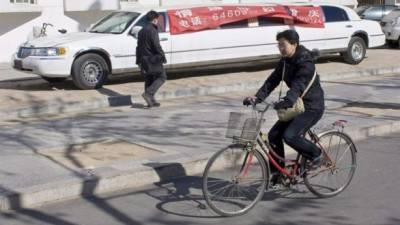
114, 98
177, 193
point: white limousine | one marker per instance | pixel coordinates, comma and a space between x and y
109, 46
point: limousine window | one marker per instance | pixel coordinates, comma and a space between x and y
334, 14
115, 23
264, 21
238, 24
161, 22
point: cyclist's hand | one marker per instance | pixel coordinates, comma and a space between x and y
249, 101
283, 104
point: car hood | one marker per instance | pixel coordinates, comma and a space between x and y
63, 39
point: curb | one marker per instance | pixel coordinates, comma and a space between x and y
104, 180
57, 107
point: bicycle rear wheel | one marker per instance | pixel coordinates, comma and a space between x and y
338, 168
234, 180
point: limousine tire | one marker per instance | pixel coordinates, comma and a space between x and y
89, 71
355, 51
53, 80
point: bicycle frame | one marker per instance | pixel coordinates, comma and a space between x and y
268, 153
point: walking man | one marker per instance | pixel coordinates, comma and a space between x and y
150, 57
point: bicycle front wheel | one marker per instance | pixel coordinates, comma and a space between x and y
338, 168
234, 180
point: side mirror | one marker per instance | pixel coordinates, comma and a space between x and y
135, 31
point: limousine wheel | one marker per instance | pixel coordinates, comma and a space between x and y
54, 79
355, 51
89, 71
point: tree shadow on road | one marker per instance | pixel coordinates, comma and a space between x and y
177, 193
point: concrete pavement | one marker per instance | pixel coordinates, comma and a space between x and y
34, 97
54, 159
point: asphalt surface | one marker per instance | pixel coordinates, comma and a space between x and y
371, 199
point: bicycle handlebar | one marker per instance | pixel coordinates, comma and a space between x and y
267, 105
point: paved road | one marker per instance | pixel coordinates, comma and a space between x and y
371, 199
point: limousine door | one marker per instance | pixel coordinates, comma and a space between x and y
338, 27
312, 38
234, 42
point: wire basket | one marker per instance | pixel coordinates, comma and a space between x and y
243, 126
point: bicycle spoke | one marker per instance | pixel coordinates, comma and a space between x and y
345, 151
248, 191
244, 181
222, 190
345, 168
337, 174
235, 187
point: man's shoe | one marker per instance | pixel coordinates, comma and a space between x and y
274, 181
147, 98
155, 103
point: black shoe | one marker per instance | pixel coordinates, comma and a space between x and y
274, 178
154, 102
147, 98
274, 181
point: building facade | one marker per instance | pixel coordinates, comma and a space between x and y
379, 2
21, 20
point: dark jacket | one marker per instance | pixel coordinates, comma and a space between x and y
299, 72
149, 52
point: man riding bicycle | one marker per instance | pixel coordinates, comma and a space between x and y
299, 71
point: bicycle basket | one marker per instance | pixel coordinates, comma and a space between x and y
243, 126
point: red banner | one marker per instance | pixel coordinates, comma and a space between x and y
307, 16
202, 18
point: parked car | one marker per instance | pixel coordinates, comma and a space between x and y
109, 46
391, 27
375, 12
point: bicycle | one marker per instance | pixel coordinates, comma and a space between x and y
43, 30
236, 177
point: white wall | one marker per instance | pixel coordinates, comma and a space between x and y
16, 28
87, 5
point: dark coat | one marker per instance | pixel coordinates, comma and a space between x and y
149, 53
300, 69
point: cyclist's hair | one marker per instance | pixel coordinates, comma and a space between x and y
290, 35
150, 16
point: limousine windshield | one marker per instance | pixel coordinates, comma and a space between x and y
115, 23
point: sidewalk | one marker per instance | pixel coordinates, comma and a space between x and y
58, 159
35, 98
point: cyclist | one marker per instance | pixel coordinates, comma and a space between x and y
300, 68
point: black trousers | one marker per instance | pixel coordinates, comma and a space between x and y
292, 133
153, 82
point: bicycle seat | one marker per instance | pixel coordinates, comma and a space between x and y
340, 123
